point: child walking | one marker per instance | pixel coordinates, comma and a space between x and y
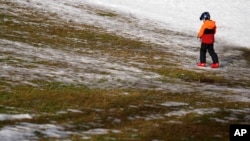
206, 34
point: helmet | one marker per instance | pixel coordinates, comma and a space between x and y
205, 16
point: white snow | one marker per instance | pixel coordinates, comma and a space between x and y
173, 104
14, 116
146, 16
100, 131
179, 15
202, 111
183, 15
90, 73
28, 131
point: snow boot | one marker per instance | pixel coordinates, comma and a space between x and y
215, 65
201, 64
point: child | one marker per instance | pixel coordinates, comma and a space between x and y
206, 34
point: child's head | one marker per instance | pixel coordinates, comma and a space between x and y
205, 16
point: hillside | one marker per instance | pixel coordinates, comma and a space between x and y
110, 75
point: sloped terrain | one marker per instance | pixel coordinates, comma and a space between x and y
75, 71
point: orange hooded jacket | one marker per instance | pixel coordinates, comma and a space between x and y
207, 31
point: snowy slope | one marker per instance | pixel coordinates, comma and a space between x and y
179, 15
153, 18
183, 15
154, 22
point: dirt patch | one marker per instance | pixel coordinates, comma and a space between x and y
246, 55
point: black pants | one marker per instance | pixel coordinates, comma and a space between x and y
210, 49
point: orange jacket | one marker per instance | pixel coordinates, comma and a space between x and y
207, 31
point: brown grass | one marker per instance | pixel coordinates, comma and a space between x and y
127, 110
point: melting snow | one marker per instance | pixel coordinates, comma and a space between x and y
72, 72
14, 116
100, 131
195, 111
173, 104
147, 18
183, 15
25, 131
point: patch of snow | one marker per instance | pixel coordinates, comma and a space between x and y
154, 117
77, 68
100, 131
28, 131
174, 104
239, 98
220, 120
240, 111
201, 111
74, 111
4, 117
177, 113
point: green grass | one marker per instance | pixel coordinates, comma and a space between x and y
46, 102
